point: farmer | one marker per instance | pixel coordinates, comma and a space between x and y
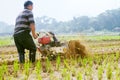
23, 40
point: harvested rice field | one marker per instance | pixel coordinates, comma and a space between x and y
101, 62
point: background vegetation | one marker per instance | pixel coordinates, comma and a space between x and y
108, 21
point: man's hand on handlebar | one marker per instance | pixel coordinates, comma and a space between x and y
35, 36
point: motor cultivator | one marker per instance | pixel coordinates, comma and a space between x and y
49, 46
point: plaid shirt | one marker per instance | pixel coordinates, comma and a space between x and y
23, 21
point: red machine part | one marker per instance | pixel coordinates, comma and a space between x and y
44, 40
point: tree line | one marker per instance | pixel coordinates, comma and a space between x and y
106, 21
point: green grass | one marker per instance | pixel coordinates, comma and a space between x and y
89, 38
6, 41
103, 38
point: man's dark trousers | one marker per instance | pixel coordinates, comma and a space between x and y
24, 41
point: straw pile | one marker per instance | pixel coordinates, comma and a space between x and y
75, 49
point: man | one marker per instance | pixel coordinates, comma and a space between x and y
23, 40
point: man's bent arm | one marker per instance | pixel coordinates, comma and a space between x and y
32, 26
